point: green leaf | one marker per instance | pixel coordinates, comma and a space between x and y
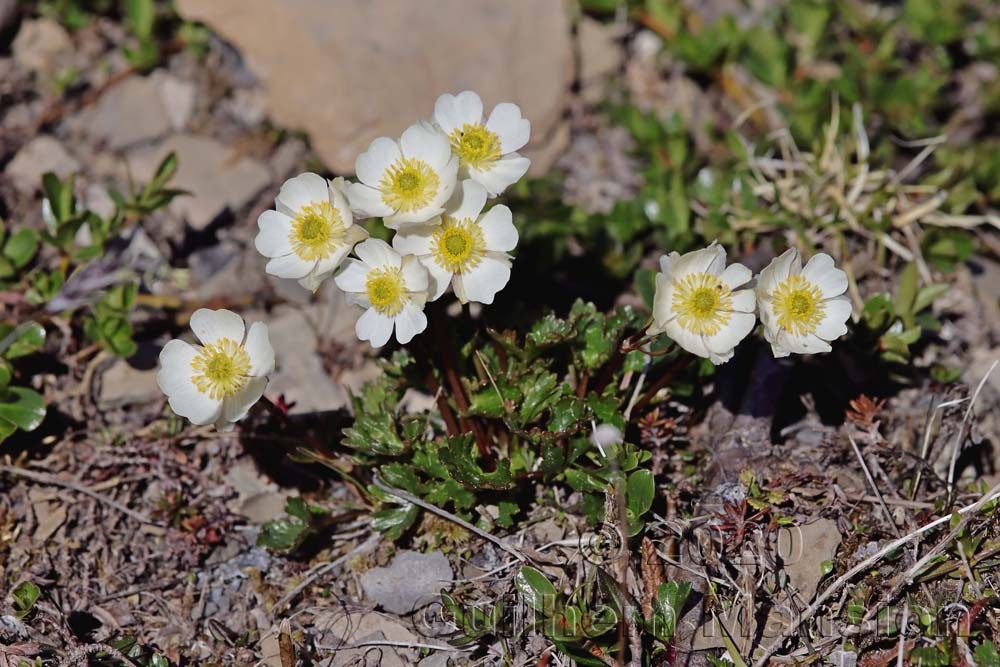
459, 457
986, 655
22, 407
906, 292
21, 247
283, 534
393, 522
540, 392
537, 591
141, 14
26, 338
164, 172
640, 491
374, 433
25, 596
927, 295
667, 607
567, 414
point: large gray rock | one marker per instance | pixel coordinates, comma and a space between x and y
301, 377
128, 114
40, 44
216, 176
413, 580
347, 71
41, 154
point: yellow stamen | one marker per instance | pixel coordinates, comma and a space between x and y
408, 184
475, 146
798, 305
386, 290
703, 303
221, 369
317, 230
458, 245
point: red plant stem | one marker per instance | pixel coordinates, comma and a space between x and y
661, 382
446, 350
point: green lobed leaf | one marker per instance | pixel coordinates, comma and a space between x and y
21, 247
25, 596
22, 407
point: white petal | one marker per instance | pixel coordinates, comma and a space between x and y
834, 323
414, 240
377, 253
329, 264
744, 301
409, 322
273, 240
338, 199
662, 298
821, 271
366, 201
499, 232
258, 348
353, 276
513, 130
778, 270
212, 325
698, 261
467, 201
374, 327
423, 142
175, 366
440, 278
301, 191
667, 262
371, 165
195, 406
503, 173
693, 343
737, 328
454, 111
235, 407
358, 299
736, 276
448, 176
289, 266
483, 281
414, 274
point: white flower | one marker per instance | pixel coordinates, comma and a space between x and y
405, 182
391, 287
802, 309
465, 249
704, 306
219, 380
486, 148
310, 233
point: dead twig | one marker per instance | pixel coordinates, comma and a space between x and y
322, 569
402, 495
52, 480
793, 627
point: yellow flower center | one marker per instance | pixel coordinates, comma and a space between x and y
458, 245
475, 146
317, 230
386, 290
221, 369
408, 184
798, 305
703, 303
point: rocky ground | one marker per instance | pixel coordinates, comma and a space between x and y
145, 534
